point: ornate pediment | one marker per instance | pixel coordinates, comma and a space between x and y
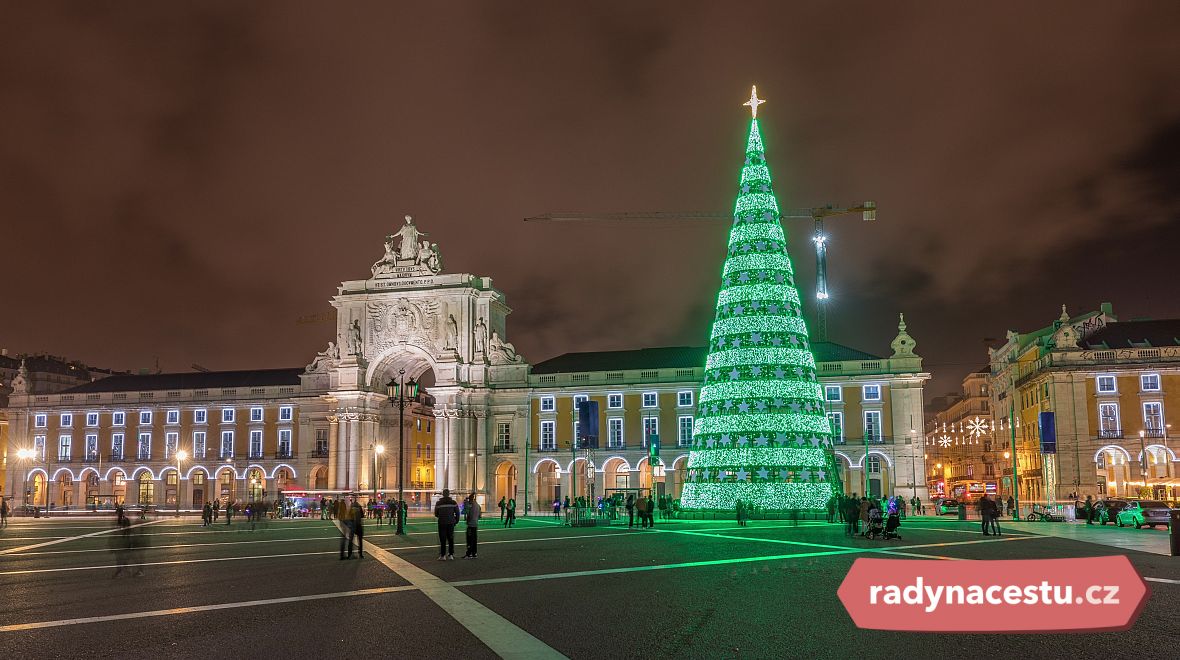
408, 256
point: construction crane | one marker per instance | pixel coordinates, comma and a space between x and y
867, 211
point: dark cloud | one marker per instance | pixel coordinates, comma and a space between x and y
186, 180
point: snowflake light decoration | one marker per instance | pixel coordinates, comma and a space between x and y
944, 440
977, 427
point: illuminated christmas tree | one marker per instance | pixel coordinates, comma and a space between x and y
762, 434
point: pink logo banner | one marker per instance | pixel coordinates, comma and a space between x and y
1088, 594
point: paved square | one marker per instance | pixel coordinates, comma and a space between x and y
540, 589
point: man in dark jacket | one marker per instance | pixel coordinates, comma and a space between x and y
447, 512
357, 518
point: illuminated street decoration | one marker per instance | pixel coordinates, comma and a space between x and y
762, 433
977, 427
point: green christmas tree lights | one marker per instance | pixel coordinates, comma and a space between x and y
762, 433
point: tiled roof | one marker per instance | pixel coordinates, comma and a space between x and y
670, 357
196, 380
1136, 334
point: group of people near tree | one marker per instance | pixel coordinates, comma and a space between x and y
855, 512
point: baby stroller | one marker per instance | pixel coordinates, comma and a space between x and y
875, 528
891, 525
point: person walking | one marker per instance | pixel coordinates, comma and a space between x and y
471, 514
341, 513
447, 512
503, 508
556, 508
229, 512
741, 513
3, 513
995, 518
1089, 509
216, 506
206, 515
358, 530
1012, 507
510, 520
866, 504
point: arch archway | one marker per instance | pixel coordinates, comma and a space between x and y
616, 473
37, 492
505, 484
146, 487
677, 475
198, 483
255, 484
548, 480
319, 478
117, 477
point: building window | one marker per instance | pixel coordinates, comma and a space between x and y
871, 393
67, 420
970, 469
1149, 382
256, 414
227, 444
614, 432
1107, 385
145, 417
170, 479
873, 425
92, 419
63, 447
1153, 418
227, 415
200, 416
874, 464
143, 450
684, 398
504, 434
548, 435
198, 478
198, 444
649, 399
837, 421
1108, 420
833, 393
576, 438
40, 420
118, 418
651, 426
684, 430
321, 442
146, 490
91, 446
418, 451
171, 440
255, 444
286, 413
419, 423
39, 446
579, 399
284, 443
548, 404
172, 417
614, 401
117, 446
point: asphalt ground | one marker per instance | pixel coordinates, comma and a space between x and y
684, 589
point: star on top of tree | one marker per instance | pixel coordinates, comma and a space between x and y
754, 102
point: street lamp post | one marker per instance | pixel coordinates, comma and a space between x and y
397, 390
180, 456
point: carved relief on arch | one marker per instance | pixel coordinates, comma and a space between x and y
402, 322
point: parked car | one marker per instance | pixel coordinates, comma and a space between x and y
1106, 511
948, 505
1144, 512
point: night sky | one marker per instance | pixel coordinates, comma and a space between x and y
181, 182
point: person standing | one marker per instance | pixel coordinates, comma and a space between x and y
832, 509
995, 518
1012, 507
342, 514
741, 514
447, 512
503, 508
1089, 509
3, 513
866, 504
471, 514
630, 510
229, 512
206, 515
985, 514
510, 521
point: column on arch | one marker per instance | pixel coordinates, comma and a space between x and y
333, 452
